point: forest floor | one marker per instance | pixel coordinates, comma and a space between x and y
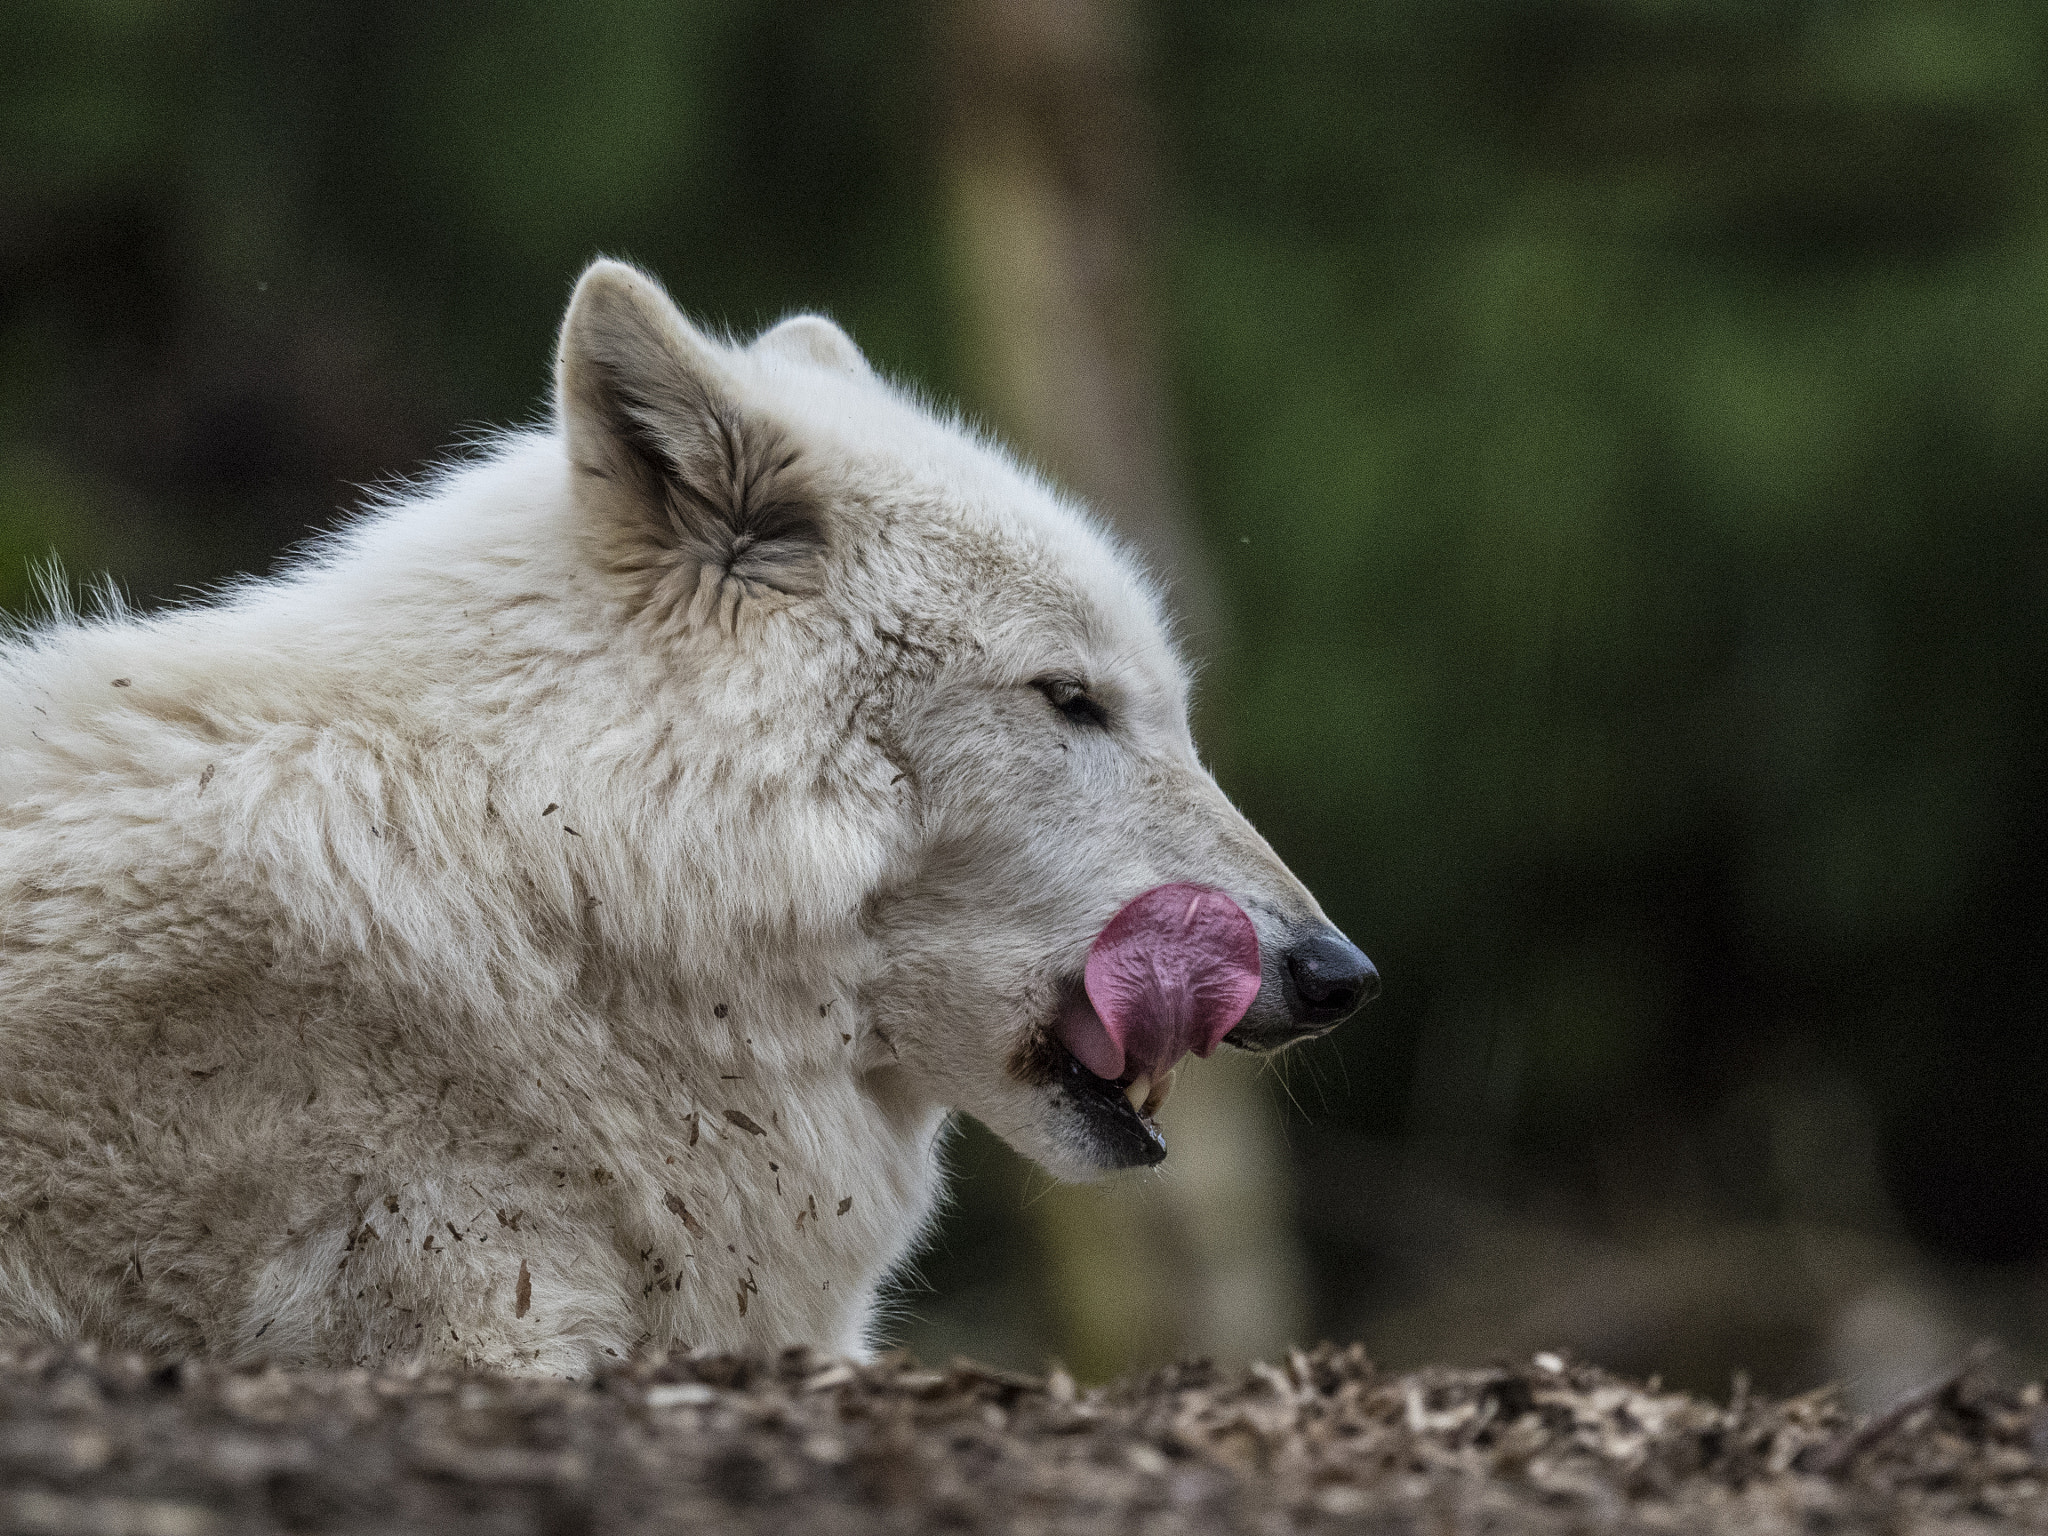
112, 1446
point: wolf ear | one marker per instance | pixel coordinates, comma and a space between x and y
814, 339
696, 495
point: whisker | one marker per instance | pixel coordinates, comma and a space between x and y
1281, 1078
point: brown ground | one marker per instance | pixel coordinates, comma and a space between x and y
124, 1447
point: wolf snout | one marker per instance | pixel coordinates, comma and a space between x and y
1331, 978
1310, 983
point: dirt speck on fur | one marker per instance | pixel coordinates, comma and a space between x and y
1318, 1442
690, 1223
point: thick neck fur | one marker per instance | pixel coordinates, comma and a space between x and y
530, 895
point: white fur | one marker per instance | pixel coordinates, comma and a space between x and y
316, 1033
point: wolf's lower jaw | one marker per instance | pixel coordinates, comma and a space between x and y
1115, 1120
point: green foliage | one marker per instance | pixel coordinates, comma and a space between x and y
1629, 420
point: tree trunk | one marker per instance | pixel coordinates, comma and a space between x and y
1050, 165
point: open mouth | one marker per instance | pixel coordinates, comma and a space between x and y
1116, 1117
1168, 977
1113, 1116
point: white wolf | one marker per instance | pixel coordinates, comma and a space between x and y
559, 915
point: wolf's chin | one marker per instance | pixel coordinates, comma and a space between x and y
1103, 1126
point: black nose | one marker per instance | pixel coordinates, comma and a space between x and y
1331, 978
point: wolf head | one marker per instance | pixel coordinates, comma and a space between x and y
965, 676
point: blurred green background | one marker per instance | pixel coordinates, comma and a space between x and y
1616, 431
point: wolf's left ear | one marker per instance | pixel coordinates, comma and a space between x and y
814, 339
694, 492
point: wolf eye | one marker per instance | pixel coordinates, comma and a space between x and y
1073, 700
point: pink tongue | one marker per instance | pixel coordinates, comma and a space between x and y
1173, 972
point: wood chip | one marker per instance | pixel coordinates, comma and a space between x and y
690, 1223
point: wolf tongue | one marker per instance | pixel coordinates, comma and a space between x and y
1172, 972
